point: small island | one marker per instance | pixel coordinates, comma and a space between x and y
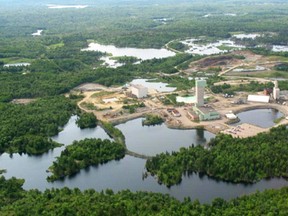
86, 120
152, 120
84, 153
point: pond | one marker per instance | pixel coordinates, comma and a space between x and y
221, 46
158, 86
279, 48
143, 54
20, 64
53, 6
249, 36
152, 140
127, 172
260, 117
38, 33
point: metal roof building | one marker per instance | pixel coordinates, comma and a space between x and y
258, 98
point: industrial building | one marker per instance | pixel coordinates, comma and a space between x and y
199, 111
139, 91
200, 90
206, 113
258, 98
231, 116
276, 91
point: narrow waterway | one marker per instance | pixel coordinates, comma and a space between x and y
127, 172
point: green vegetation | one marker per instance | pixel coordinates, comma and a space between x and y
58, 65
16, 201
282, 67
113, 132
101, 94
86, 120
84, 153
88, 106
164, 65
27, 128
278, 120
151, 119
283, 85
176, 45
126, 59
232, 159
132, 108
225, 47
265, 74
170, 99
253, 86
181, 83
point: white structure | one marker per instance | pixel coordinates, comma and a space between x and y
110, 100
200, 90
258, 98
139, 91
276, 91
231, 116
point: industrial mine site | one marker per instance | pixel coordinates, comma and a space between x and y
197, 107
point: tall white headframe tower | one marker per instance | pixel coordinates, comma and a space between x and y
200, 90
276, 91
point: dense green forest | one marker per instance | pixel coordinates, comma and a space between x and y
16, 201
84, 153
28, 128
253, 86
58, 65
232, 159
86, 120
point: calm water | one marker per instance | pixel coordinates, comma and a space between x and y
127, 173
209, 48
260, 117
143, 54
152, 140
20, 64
159, 86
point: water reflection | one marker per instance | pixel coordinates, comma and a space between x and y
152, 140
127, 173
260, 117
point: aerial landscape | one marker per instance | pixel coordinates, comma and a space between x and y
144, 107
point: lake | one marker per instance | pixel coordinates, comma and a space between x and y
127, 172
221, 46
152, 140
143, 54
53, 6
158, 86
260, 117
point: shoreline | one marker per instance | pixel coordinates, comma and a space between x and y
207, 125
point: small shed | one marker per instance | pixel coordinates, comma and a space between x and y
231, 116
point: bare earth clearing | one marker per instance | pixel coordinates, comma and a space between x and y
107, 103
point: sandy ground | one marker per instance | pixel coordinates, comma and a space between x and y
23, 101
244, 130
153, 105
